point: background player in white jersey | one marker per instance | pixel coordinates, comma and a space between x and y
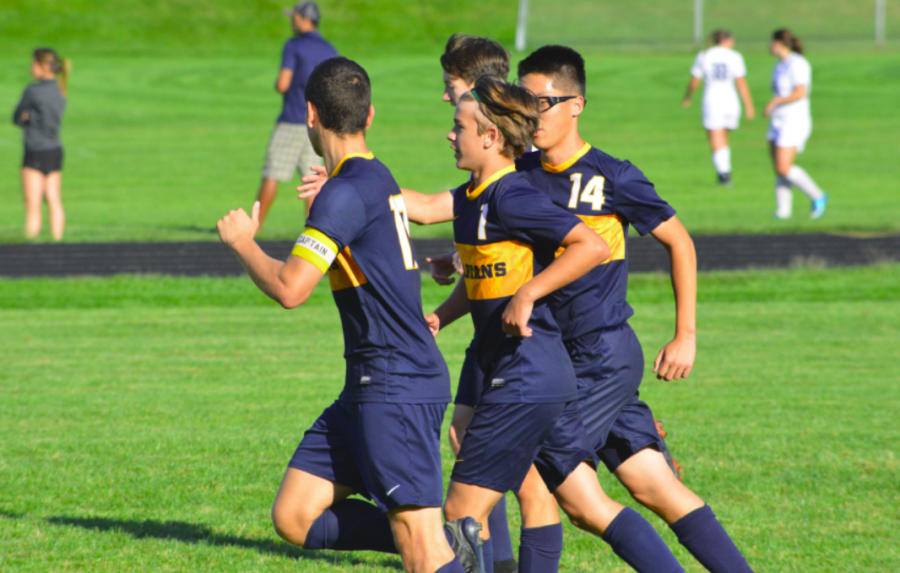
722, 69
791, 124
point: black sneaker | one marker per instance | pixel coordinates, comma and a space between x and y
725, 179
508, 566
467, 543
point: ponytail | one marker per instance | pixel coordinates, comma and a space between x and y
787, 38
62, 67
719, 36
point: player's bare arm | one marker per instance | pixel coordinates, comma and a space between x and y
284, 80
584, 250
692, 87
455, 307
798, 94
676, 358
744, 91
288, 283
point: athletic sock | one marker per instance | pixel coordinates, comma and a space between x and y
499, 528
722, 160
351, 525
784, 198
634, 540
799, 177
702, 534
488, 551
453, 567
540, 549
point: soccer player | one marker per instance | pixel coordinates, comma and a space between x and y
289, 148
465, 59
381, 438
722, 69
609, 195
791, 124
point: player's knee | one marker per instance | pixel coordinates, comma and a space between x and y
290, 525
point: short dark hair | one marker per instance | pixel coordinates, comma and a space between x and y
469, 57
563, 65
341, 91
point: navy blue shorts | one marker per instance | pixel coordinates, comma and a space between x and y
504, 440
633, 431
470, 379
389, 453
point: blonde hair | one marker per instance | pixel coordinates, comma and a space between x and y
512, 109
59, 66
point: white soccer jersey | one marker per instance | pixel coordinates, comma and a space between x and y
789, 73
718, 67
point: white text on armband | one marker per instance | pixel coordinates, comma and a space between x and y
315, 247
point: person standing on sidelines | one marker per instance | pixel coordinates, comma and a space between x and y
39, 114
722, 69
791, 124
289, 148
381, 437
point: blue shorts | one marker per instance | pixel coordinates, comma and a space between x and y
389, 453
504, 440
634, 430
470, 379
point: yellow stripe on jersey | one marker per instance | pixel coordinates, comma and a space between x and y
610, 228
345, 273
568, 162
472, 194
368, 155
315, 246
496, 270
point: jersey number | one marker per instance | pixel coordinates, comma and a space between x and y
593, 192
401, 220
720, 72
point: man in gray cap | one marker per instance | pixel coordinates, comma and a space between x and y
290, 149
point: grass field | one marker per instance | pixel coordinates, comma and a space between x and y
146, 422
168, 121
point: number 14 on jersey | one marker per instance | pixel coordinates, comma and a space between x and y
592, 194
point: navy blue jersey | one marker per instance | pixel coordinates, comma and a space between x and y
506, 231
358, 232
608, 194
301, 55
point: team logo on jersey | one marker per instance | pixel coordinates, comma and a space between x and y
495, 270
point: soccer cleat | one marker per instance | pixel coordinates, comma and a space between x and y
725, 179
664, 450
467, 543
781, 217
818, 207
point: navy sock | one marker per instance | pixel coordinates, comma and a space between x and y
540, 549
351, 525
634, 540
499, 528
488, 551
453, 567
702, 534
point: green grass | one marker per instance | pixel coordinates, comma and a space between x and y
171, 107
146, 421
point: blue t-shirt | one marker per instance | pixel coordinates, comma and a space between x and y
301, 55
358, 232
506, 231
608, 194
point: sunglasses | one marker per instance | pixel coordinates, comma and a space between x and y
546, 102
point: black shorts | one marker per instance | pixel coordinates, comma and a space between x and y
46, 161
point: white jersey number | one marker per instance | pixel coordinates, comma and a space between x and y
401, 220
593, 192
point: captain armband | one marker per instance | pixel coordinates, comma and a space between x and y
315, 247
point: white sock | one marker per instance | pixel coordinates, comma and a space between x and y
799, 177
722, 160
784, 198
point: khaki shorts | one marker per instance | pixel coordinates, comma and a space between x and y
289, 150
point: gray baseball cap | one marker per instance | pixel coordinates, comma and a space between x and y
306, 9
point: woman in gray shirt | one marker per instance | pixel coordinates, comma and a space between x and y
39, 114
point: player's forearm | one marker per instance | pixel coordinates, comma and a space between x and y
428, 209
692, 87
579, 257
684, 284
455, 307
265, 272
744, 91
798, 94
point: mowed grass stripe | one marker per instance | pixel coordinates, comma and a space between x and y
151, 437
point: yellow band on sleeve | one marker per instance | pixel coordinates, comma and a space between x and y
315, 246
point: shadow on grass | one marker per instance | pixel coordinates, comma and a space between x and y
194, 534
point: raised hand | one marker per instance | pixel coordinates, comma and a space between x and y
237, 227
312, 183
